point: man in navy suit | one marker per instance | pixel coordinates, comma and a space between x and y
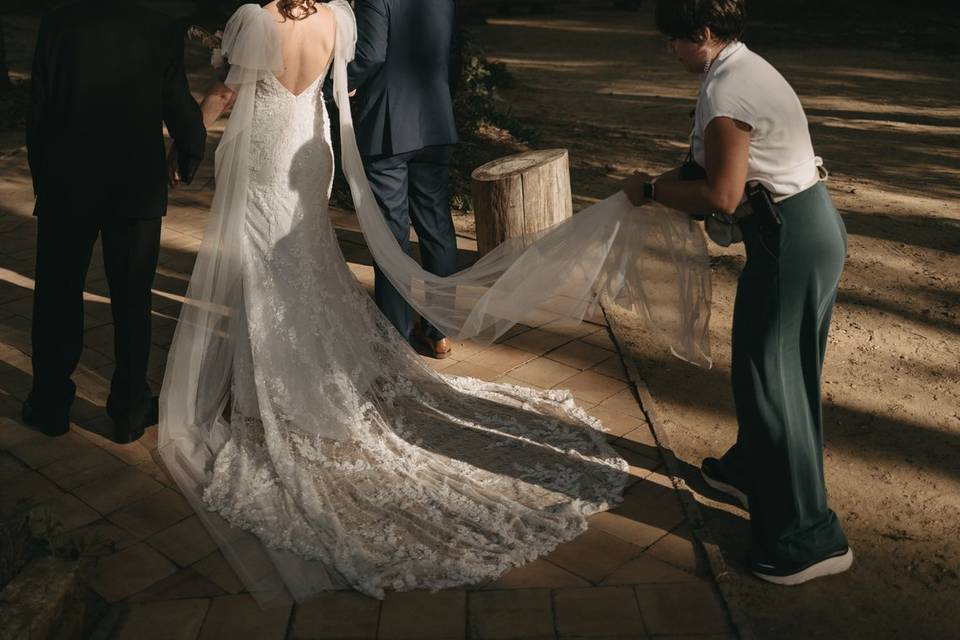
406, 59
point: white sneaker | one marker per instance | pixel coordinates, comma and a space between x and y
794, 574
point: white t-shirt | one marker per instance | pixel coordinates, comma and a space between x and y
743, 86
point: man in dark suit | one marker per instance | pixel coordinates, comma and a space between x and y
107, 75
405, 60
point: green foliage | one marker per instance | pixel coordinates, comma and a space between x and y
478, 102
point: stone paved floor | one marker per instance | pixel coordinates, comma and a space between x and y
634, 574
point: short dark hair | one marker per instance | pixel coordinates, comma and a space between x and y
682, 19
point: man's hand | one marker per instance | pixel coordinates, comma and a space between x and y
173, 171
633, 187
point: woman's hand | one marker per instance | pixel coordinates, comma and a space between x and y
634, 187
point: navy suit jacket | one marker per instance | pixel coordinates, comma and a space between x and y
407, 56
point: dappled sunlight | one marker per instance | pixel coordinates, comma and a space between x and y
576, 26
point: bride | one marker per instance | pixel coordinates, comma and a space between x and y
315, 444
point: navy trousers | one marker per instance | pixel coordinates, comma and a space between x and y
414, 188
131, 249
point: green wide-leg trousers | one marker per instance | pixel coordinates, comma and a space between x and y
782, 313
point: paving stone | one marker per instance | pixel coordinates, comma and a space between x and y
85, 468
466, 350
126, 572
518, 614
241, 617
13, 433
615, 422
508, 379
612, 367
641, 464
579, 355
10, 468
601, 339
501, 358
172, 620
640, 438
544, 373
185, 583
535, 575
624, 402
538, 341
592, 387
150, 438
26, 491
419, 615
65, 513
439, 365
340, 615
159, 473
15, 332
648, 570
648, 513
117, 489
40, 453
610, 612
683, 608
571, 328
594, 555
216, 569
472, 370
152, 514
185, 542
99, 538
678, 548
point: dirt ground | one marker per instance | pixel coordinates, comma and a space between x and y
887, 124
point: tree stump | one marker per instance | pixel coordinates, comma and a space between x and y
520, 195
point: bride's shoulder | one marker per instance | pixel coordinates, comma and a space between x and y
248, 11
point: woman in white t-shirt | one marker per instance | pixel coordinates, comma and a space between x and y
750, 138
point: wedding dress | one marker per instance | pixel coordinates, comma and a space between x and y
342, 459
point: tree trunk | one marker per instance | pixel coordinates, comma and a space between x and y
520, 195
4, 71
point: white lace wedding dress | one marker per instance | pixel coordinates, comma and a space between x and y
349, 460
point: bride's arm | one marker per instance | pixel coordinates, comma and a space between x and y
219, 98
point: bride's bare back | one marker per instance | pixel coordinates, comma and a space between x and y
307, 46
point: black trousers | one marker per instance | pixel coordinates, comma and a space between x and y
781, 319
131, 248
414, 188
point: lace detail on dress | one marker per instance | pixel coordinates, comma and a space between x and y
432, 481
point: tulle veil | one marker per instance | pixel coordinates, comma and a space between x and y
651, 260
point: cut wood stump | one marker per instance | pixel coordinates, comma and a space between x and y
520, 195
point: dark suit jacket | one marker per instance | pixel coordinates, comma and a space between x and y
406, 57
106, 75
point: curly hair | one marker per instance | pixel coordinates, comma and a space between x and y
296, 9
683, 19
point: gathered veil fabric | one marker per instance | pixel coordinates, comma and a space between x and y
315, 445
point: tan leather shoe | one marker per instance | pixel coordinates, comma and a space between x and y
439, 349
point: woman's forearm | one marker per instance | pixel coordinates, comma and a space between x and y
695, 196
